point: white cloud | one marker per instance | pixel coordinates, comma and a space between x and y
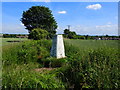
62, 12
107, 29
110, 29
109, 23
103, 26
94, 6
107, 26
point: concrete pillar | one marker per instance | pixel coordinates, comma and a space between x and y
57, 49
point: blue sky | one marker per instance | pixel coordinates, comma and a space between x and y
85, 18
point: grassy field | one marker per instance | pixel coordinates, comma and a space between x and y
96, 60
93, 44
89, 64
8, 41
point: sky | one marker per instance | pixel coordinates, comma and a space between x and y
60, 0
85, 18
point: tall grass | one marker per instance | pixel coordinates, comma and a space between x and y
89, 64
92, 64
19, 64
24, 76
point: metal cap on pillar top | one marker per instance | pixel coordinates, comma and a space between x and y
57, 49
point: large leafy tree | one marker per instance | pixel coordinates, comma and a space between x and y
39, 17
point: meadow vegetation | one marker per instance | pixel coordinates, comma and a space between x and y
9, 41
89, 64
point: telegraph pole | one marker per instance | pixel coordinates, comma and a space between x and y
68, 27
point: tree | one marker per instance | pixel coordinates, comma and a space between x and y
38, 34
66, 31
39, 17
69, 34
86, 37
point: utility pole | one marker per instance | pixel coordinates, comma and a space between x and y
68, 27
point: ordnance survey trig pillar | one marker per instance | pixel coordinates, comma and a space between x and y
57, 49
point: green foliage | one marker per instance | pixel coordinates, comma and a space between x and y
25, 52
58, 62
14, 35
66, 31
53, 62
96, 67
89, 64
24, 76
19, 64
80, 37
9, 35
69, 34
38, 34
39, 17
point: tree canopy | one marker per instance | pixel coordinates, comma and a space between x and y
39, 17
69, 34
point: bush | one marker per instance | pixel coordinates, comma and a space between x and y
25, 52
38, 34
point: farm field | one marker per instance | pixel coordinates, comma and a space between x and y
8, 41
89, 64
93, 44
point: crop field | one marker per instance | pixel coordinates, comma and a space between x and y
89, 64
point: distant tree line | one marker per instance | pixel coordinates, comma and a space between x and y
72, 35
67, 34
14, 35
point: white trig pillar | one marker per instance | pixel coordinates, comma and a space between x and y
57, 49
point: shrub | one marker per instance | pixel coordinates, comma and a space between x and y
38, 34
26, 52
